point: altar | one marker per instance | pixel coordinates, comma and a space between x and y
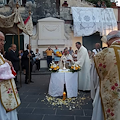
57, 81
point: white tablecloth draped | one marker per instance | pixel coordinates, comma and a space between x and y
88, 21
56, 85
57, 81
71, 81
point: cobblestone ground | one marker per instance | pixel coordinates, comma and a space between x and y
33, 108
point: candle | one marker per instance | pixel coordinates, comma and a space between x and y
64, 96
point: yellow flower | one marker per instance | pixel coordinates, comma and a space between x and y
72, 67
76, 68
55, 68
58, 54
51, 67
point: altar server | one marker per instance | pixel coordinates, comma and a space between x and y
97, 48
106, 105
84, 62
9, 99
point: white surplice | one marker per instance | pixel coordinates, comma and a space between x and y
3, 114
97, 107
7, 115
94, 79
95, 90
84, 74
96, 50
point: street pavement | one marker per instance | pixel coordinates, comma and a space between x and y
34, 105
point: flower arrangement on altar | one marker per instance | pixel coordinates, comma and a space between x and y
54, 67
75, 68
59, 54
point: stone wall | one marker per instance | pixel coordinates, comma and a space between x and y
45, 8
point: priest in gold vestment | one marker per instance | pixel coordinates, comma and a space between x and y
9, 98
106, 105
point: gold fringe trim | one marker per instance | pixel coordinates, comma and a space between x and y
116, 48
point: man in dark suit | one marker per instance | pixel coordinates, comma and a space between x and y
7, 53
14, 58
26, 56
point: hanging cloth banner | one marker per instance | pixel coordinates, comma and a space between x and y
11, 23
88, 21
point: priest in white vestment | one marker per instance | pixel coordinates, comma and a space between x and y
84, 62
68, 59
106, 104
9, 98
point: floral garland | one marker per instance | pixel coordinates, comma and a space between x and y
74, 68
54, 67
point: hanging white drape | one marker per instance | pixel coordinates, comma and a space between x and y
90, 20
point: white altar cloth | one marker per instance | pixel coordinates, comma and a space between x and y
57, 81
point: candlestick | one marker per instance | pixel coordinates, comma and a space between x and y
64, 96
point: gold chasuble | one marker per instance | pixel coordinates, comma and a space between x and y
8, 93
108, 68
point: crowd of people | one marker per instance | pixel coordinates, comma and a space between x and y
15, 59
26, 56
58, 54
100, 73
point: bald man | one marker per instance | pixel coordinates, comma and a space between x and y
9, 98
14, 58
97, 48
106, 105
